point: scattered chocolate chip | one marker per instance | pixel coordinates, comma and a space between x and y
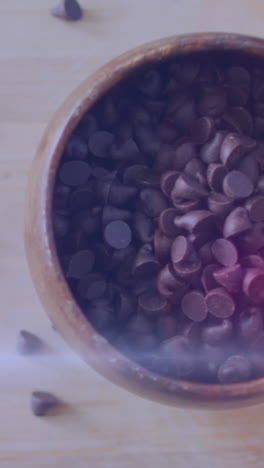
229, 277
235, 369
225, 252
237, 185
255, 207
253, 285
218, 333
43, 402
153, 202
219, 303
193, 306
236, 222
28, 343
75, 173
68, 9
180, 249
215, 176
100, 144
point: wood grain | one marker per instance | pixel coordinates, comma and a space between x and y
42, 59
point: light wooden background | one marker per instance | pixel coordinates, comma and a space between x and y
41, 60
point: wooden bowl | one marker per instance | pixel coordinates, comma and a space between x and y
44, 265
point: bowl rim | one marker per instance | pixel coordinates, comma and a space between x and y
45, 269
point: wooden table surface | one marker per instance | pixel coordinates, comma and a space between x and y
41, 60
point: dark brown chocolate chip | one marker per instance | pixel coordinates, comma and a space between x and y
120, 195
178, 357
183, 154
192, 331
166, 326
255, 207
162, 246
207, 277
252, 261
237, 95
188, 269
236, 222
239, 120
196, 170
205, 253
145, 264
75, 173
68, 9
237, 185
180, 249
28, 343
186, 71
118, 234
82, 198
200, 238
143, 227
92, 287
250, 167
60, 225
169, 285
100, 144
235, 369
219, 204
212, 101
100, 313
167, 132
184, 206
181, 110
237, 75
112, 213
186, 187
152, 303
166, 222
229, 277
196, 221
81, 263
193, 306
103, 187
232, 150
250, 325
164, 158
252, 240
147, 140
215, 176
77, 147
134, 175
150, 83
43, 402
127, 151
153, 202
219, 303
139, 324
225, 252
202, 130
123, 306
260, 185
218, 333
210, 152
167, 182
253, 285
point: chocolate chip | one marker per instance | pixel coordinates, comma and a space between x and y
120, 195
195, 221
151, 303
145, 264
68, 9
77, 147
235, 369
219, 303
250, 168
177, 356
60, 225
188, 269
250, 325
166, 222
196, 170
162, 246
207, 277
28, 343
143, 227
239, 120
112, 213
229, 277
218, 333
232, 150
252, 261
236, 222
183, 154
81, 263
188, 188
225, 252
219, 204
210, 152
181, 110
180, 249
215, 176
118, 234
92, 287
193, 306
184, 206
43, 402
252, 240
205, 253
100, 144
237, 185
169, 285
153, 202
253, 285
101, 313
75, 173
127, 151
255, 207
167, 182
237, 75
166, 327
150, 83
147, 140
185, 71
202, 130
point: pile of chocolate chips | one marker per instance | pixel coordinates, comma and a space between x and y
159, 217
